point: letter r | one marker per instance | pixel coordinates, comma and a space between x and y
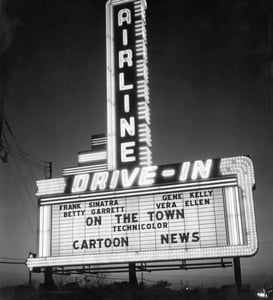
125, 56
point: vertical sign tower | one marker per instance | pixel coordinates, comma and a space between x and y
128, 115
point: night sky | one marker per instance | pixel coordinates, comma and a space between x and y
210, 72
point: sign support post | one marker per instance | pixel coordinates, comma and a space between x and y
132, 275
29, 278
48, 278
237, 273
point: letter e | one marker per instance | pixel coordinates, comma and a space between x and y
127, 152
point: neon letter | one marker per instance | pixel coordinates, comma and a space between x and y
127, 180
127, 154
127, 127
201, 169
124, 15
147, 175
124, 37
114, 179
185, 171
122, 86
99, 181
126, 102
125, 56
80, 183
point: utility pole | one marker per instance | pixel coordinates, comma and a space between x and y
48, 278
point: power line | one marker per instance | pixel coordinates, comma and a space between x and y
266, 242
24, 159
22, 202
12, 262
11, 258
25, 185
25, 154
20, 155
29, 159
18, 146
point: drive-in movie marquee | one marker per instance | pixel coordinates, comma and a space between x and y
116, 206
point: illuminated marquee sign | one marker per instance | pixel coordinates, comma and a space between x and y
115, 206
209, 214
139, 176
147, 223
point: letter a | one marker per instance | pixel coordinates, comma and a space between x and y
124, 15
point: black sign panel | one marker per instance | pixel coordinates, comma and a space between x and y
125, 85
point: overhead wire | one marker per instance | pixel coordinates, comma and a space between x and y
12, 261
265, 242
20, 155
12, 258
22, 202
42, 162
25, 159
30, 197
29, 159
23, 153
30, 162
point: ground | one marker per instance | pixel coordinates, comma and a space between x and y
122, 291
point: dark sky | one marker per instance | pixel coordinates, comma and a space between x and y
210, 71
